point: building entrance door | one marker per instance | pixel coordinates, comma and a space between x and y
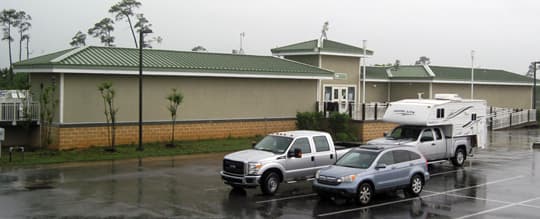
340, 97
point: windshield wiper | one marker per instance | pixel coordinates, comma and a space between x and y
265, 149
348, 166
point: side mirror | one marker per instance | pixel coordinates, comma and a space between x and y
253, 143
380, 166
385, 134
297, 153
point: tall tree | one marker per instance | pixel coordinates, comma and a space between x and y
124, 10
7, 19
144, 25
22, 22
103, 29
78, 40
423, 60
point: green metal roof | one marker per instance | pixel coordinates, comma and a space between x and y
444, 73
376, 73
327, 46
480, 75
408, 72
112, 58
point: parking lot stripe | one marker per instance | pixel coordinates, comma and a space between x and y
425, 196
498, 208
287, 198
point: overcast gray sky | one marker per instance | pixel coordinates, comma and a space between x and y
505, 34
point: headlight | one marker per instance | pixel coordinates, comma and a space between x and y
253, 168
317, 174
347, 179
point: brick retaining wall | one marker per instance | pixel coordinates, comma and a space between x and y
369, 130
84, 136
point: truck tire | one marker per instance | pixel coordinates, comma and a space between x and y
364, 194
459, 158
270, 183
416, 186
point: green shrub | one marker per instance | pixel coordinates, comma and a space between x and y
338, 127
309, 120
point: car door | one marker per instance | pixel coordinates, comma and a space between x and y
324, 155
426, 144
303, 166
385, 177
440, 144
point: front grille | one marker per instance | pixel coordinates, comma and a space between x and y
328, 180
232, 166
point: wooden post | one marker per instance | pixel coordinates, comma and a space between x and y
363, 111
375, 112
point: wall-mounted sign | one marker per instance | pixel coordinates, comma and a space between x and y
340, 76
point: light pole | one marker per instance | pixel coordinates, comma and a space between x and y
141, 45
472, 74
534, 84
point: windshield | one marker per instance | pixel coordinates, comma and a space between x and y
357, 159
405, 132
275, 144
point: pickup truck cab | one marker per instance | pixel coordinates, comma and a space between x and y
280, 157
431, 141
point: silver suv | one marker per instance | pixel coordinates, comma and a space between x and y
370, 169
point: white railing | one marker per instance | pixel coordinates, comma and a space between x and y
501, 119
362, 112
15, 112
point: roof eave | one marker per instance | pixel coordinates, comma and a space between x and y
269, 75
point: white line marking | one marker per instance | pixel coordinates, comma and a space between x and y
426, 196
287, 198
498, 208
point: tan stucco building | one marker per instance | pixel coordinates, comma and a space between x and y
224, 94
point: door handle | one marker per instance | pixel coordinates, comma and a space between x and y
312, 158
331, 156
433, 144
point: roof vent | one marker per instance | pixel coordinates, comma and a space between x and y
447, 97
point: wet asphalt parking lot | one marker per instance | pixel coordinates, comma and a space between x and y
501, 181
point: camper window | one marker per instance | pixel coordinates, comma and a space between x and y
440, 113
473, 117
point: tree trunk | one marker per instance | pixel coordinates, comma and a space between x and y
10, 59
132, 32
20, 46
27, 48
173, 125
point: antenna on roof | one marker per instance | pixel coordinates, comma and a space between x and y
241, 50
323, 34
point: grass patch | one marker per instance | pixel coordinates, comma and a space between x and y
43, 156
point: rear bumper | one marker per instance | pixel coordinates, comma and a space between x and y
242, 181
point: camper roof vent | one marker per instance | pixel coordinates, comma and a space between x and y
447, 97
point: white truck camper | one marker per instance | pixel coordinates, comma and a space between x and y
443, 128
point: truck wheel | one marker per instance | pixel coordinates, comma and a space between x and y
416, 186
365, 192
459, 158
270, 183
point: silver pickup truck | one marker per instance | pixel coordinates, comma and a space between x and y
431, 142
280, 157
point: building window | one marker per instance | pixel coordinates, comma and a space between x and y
351, 94
473, 117
440, 113
327, 93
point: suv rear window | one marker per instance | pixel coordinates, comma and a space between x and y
401, 156
404, 155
